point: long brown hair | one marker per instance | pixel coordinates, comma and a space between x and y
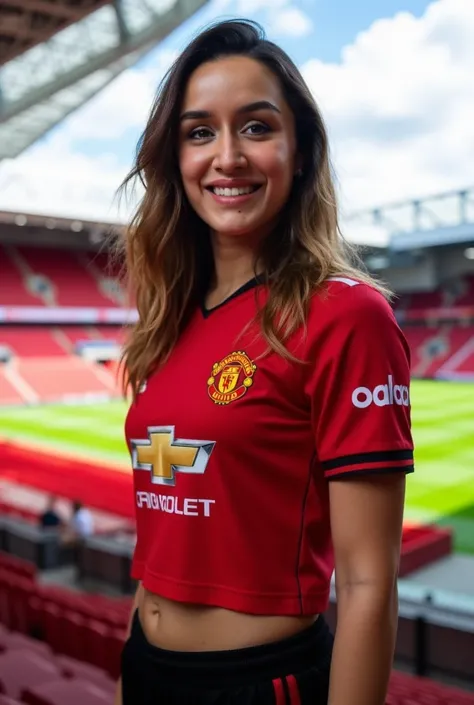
167, 249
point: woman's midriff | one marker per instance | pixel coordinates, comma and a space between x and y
178, 626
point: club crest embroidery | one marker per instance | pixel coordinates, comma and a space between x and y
231, 377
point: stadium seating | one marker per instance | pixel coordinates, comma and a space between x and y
9, 392
71, 280
467, 297
44, 367
76, 655
62, 692
13, 291
422, 545
23, 669
79, 334
51, 341
441, 351
93, 482
458, 293
55, 379
27, 504
32, 341
431, 299
409, 690
75, 278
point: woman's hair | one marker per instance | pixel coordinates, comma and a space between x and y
167, 250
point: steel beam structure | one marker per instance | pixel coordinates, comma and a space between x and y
39, 88
433, 217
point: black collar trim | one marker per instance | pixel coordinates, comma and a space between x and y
248, 286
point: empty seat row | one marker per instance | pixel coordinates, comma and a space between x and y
31, 677
81, 641
16, 566
87, 628
35, 679
411, 690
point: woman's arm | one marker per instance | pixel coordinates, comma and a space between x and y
366, 520
136, 600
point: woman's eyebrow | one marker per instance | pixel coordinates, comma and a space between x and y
248, 108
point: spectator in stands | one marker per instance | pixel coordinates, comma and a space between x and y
50, 518
270, 419
82, 524
79, 527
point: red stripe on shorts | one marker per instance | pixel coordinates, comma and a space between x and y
294, 690
279, 692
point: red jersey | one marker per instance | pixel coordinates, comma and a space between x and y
232, 451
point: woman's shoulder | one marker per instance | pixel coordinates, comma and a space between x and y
348, 301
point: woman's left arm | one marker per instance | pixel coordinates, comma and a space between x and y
366, 520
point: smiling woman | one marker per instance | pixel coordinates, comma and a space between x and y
251, 458
237, 155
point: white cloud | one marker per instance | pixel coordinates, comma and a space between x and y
399, 109
280, 17
399, 106
290, 22
245, 8
53, 180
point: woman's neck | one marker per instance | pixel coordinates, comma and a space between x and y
234, 266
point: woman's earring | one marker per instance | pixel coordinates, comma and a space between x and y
299, 172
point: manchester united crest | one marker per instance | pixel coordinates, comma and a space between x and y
231, 377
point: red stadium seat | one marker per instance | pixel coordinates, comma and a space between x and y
14, 641
34, 615
12, 284
72, 624
85, 671
410, 690
96, 645
69, 692
73, 283
23, 669
17, 566
114, 642
53, 633
4, 633
21, 589
5, 700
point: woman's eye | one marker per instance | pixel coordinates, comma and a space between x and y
257, 128
200, 133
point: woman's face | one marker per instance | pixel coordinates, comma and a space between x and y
237, 146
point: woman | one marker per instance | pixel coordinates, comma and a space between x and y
270, 419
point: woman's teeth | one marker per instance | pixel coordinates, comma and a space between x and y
234, 191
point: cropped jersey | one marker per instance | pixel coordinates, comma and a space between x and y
233, 449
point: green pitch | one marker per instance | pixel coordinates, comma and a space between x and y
440, 490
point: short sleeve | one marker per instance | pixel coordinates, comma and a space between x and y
359, 386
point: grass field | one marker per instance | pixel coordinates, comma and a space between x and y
441, 490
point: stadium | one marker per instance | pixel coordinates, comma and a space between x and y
63, 317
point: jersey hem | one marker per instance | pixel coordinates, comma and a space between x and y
229, 598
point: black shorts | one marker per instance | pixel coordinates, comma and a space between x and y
294, 671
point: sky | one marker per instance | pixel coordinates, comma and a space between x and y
393, 78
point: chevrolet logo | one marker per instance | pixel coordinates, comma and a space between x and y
164, 456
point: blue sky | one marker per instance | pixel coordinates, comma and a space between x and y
335, 24
393, 79
331, 25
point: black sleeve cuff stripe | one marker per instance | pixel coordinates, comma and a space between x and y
373, 471
384, 456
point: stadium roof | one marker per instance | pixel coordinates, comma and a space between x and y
57, 54
430, 221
